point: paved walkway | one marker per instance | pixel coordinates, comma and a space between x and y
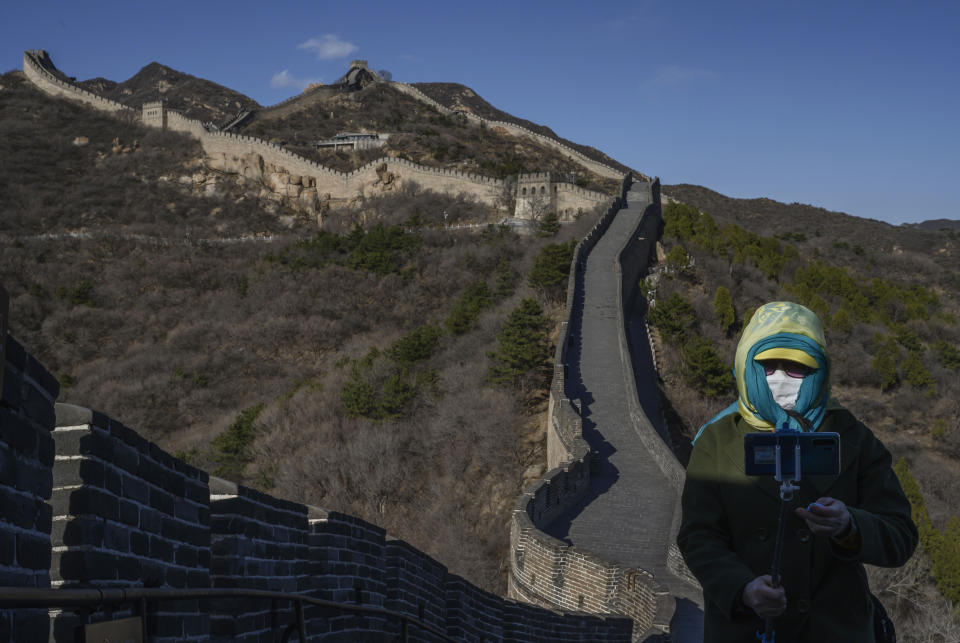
627, 514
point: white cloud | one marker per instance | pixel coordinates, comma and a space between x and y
328, 46
672, 75
286, 79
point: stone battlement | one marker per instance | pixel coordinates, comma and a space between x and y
91, 504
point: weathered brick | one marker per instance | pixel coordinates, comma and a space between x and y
16, 432
20, 509
8, 546
38, 408
129, 513
139, 543
150, 520
42, 378
112, 480
128, 568
33, 478
187, 556
12, 385
33, 552
85, 500
30, 625
116, 538
161, 548
85, 566
82, 530
14, 353
125, 457
46, 449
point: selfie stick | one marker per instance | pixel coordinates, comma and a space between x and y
787, 487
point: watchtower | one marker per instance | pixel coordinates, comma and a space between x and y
155, 114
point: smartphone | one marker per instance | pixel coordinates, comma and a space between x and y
819, 454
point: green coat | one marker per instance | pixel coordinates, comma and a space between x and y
730, 523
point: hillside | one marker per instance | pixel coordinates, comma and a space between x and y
461, 98
346, 369
193, 97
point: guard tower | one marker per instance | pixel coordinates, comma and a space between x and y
155, 114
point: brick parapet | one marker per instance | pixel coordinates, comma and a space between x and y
347, 565
126, 514
51, 84
257, 541
26, 482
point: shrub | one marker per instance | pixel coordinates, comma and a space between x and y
551, 269
466, 310
916, 373
549, 225
232, 447
703, 369
885, 361
522, 346
943, 548
949, 355
504, 280
415, 346
723, 309
673, 317
377, 389
677, 258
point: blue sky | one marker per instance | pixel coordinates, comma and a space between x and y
853, 106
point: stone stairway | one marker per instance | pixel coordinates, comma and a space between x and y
627, 515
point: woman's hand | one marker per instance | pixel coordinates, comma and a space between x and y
763, 598
826, 517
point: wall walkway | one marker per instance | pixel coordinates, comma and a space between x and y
609, 508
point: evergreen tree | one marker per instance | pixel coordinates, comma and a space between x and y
522, 346
723, 309
465, 312
673, 317
703, 369
551, 269
885, 361
231, 449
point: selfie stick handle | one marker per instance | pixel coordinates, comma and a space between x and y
787, 487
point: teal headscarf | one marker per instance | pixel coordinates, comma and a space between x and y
780, 330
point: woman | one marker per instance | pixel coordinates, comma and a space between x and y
841, 522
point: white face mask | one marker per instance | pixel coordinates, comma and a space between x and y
785, 389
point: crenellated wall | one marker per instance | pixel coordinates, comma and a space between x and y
26, 481
36, 72
544, 570
126, 514
123, 513
309, 183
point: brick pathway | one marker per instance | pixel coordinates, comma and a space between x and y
626, 517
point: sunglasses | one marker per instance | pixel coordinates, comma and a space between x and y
792, 369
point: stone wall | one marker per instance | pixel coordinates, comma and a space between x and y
35, 71
546, 571
26, 479
126, 514
308, 183
256, 542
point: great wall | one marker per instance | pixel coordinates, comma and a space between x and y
96, 508
314, 187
